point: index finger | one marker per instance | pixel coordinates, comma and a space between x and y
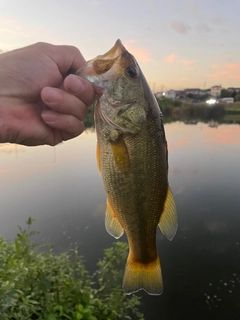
65, 57
81, 88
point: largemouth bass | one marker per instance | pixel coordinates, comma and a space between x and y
132, 157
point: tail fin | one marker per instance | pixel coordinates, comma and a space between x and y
143, 276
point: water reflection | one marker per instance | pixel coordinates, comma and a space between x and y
61, 188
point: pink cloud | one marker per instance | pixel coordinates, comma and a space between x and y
203, 27
227, 71
180, 26
187, 62
140, 53
171, 58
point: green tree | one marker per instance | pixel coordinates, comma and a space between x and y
237, 97
225, 93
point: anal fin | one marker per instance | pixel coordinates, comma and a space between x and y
168, 222
112, 224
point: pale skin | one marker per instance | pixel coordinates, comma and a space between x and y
39, 102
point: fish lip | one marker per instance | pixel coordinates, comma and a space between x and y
115, 51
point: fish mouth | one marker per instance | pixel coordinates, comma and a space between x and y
117, 66
99, 70
113, 53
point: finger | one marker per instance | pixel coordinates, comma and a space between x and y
64, 102
81, 88
69, 126
66, 57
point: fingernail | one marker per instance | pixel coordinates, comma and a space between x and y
49, 116
75, 84
51, 95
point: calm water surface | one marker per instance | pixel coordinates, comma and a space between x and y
60, 187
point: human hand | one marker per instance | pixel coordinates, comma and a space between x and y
39, 102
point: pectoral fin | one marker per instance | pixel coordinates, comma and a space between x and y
168, 222
112, 224
120, 154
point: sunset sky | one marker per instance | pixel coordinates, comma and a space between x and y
178, 43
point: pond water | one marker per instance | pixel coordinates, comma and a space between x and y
61, 188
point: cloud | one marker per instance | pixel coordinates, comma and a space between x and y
95, 3
180, 26
171, 58
227, 71
140, 53
14, 34
203, 27
187, 62
1, 51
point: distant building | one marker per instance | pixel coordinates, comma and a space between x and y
204, 92
216, 91
180, 94
160, 94
193, 91
171, 94
226, 100
233, 89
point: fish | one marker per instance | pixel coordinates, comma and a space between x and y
132, 157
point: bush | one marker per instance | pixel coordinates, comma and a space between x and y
45, 286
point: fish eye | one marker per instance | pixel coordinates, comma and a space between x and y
131, 72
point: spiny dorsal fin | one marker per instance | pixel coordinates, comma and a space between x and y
112, 224
168, 222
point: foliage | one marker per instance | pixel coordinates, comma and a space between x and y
109, 278
34, 285
165, 103
204, 97
237, 97
188, 111
225, 93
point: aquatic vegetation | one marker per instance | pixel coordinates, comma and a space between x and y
37, 285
